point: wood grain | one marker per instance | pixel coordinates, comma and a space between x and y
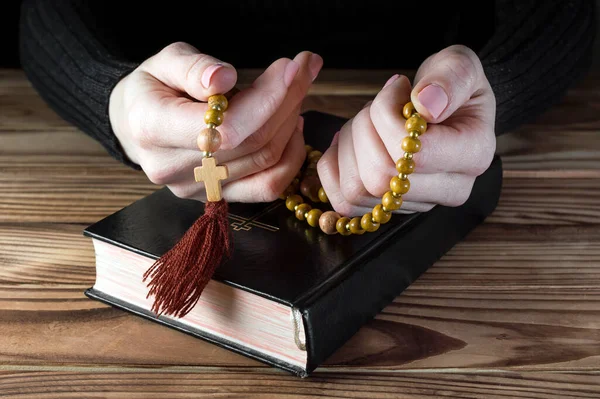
147, 384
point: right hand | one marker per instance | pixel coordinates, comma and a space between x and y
158, 110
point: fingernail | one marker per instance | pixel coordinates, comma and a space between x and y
291, 70
335, 139
208, 74
434, 98
314, 65
391, 80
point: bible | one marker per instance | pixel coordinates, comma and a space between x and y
289, 296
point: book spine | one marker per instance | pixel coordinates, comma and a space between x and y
334, 316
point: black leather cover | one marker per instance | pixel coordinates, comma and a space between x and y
338, 283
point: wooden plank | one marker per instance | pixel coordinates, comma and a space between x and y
493, 255
529, 328
258, 384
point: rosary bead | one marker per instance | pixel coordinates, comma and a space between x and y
367, 223
406, 166
314, 156
322, 195
416, 123
292, 201
398, 186
302, 211
313, 217
209, 140
411, 144
308, 149
390, 202
381, 216
342, 226
408, 110
309, 187
328, 221
213, 116
355, 227
218, 100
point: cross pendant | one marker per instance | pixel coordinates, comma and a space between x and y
211, 175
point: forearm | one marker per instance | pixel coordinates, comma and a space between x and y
535, 56
71, 70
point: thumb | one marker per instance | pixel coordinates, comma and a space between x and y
445, 81
182, 67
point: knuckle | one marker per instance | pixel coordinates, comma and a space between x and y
266, 157
141, 125
176, 48
271, 189
352, 189
257, 140
458, 190
156, 174
181, 191
268, 104
464, 67
484, 152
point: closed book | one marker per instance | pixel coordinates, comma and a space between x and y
290, 295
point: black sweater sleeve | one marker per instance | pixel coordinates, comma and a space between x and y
71, 69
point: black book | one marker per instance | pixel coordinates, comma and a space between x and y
290, 295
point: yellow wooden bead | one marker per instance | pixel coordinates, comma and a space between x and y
322, 195
314, 156
411, 144
209, 140
355, 227
367, 223
399, 186
408, 110
302, 210
406, 166
416, 123
218, 100
390, 202
381, 216
213, 116
341, 226
292, 201
313, 217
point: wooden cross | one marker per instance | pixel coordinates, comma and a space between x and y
211, 175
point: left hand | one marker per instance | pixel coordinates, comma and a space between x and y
454, 96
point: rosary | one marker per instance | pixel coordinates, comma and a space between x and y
179, 276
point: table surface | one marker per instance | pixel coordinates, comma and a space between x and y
513, 311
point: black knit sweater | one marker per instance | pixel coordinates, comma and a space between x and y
75, 52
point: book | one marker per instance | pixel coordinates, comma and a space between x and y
290, 295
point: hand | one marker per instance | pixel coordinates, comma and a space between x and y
454, 96
158, 110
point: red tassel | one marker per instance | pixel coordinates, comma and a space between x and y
181, 274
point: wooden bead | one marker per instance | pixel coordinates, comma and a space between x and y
416, 123
308, 149
209, 140
341, 226
328, 221
313, 217
411, 144
292, 201
398, 186
381, 216
323, 195
355, 227
314, 156
367, 223
406, 166
218, 100
309, 187
302, 210
390, 202
408, 110
213, 116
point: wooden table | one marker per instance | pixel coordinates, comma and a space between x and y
511, 312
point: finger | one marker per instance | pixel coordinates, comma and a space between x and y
281, 87
184, 68
268, 185
447, 81
375, 166
266, 156
352, 186
448, 189
465, 143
